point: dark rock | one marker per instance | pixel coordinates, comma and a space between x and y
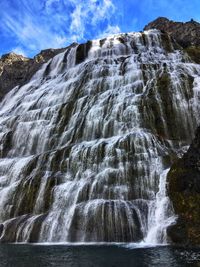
17, 69
184, 191
186, 34
178, 232
1, 229
82, 51
10, 229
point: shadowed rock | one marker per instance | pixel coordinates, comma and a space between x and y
184, 191
17, 69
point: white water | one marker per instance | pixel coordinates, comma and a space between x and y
161, 215
84, 147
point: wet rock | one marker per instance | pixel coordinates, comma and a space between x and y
9, 233
184, 191
82, 51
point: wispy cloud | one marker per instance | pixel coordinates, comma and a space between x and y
29, 26
31, 35
89, 13
54, 23
109, 31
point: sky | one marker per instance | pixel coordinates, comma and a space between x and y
29, 26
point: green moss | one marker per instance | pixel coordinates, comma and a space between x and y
187, 81
187, 206
64, 116
163, 83
174, 177
27, 192
194, 53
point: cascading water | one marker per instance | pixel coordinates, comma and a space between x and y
84, 144
160, 215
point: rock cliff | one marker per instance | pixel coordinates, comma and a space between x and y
184, 191
17, 69
186, 34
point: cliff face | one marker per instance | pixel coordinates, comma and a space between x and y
17, 70
184, 191
187, 34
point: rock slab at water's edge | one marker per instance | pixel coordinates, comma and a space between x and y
184, 191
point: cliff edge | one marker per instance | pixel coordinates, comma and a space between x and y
17, 69
185, 33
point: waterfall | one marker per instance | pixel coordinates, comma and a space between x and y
84, 145
160, 215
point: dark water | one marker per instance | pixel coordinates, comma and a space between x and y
96, 256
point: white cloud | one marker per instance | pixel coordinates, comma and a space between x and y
77, 23
89, 12
110, 30
45, 24
18, 50
103, 11
32, 35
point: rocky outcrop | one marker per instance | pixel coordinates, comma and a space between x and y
17, 69
186, 34
184, 191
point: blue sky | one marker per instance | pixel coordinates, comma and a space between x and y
28, 26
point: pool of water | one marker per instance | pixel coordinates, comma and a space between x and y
24, 255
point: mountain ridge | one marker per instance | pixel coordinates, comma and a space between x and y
185, 33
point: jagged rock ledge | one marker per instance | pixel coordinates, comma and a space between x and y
186, 34
17, 69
